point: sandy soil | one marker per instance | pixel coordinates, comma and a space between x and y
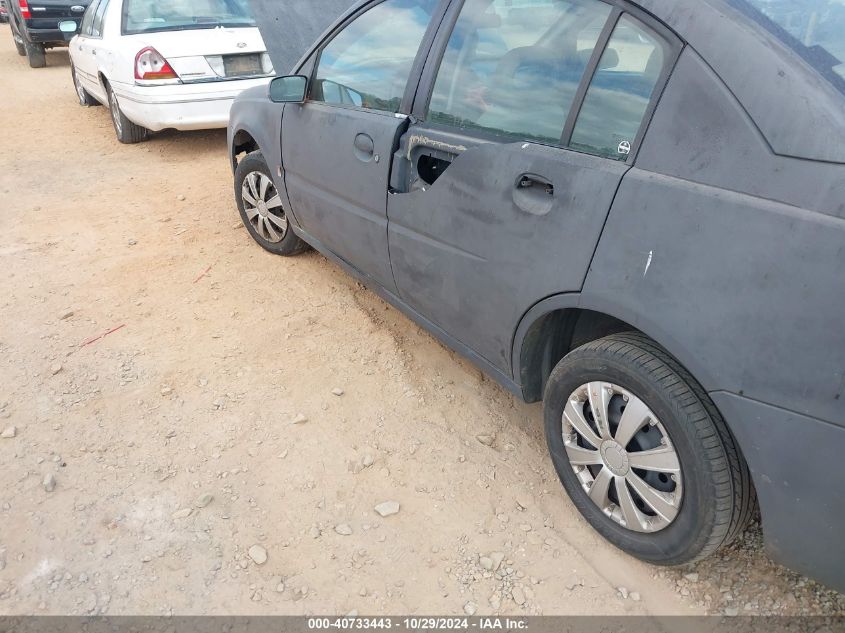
170, 444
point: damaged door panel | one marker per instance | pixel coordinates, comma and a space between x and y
479, 231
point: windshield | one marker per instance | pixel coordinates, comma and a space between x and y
143, 16
814, 28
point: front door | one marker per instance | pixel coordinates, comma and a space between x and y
337, 146
492, 208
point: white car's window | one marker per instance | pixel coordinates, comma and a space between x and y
143, 16
97, 25
88, 19
512, 69
620, 91
368, 63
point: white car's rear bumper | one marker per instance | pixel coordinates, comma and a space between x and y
196, 106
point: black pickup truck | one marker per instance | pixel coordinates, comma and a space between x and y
35, 25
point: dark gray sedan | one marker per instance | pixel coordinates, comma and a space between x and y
634, 212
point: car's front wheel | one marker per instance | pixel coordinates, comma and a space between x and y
261, 207
126, 131
85, 99
643, 453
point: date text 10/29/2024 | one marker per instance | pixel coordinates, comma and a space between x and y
417, 624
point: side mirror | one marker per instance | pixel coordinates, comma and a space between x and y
68, 29
288, 89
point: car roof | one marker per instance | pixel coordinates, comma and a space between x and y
798, 112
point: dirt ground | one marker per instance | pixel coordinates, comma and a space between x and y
154, 469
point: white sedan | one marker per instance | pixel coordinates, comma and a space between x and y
162, 64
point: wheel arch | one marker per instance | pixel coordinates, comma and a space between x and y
243, 142
557, 325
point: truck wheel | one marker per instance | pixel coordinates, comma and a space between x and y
35, 54
85, 99
643, 453
127, 132
21, 48
261, 208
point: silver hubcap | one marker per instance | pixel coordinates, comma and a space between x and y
80, 91
115, 113
622, 456
263, 207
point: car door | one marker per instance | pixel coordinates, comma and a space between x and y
92, 50
337, 145
81, 49
525, 123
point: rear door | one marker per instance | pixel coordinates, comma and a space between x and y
84, 59
337, 146
46, 14
505, 181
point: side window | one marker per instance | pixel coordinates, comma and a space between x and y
368, 63
88, 19
97, 26
512, 69
620, 92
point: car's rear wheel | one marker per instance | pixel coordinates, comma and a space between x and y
261, 207
35, 54
643, 453
21, 48
126, 131
85, 99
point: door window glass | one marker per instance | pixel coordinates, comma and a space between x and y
512, 67
88, 19
368, 63
620, 91
97, 26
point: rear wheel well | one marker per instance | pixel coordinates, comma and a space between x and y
553, 336
242, 144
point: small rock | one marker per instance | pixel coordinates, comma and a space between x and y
132, 242
487, 440
693, 577
64, 316
166, 391
258, 554
184, 513
495, 602
280, 588
56, 368
387, 508
299, 419
315, 532
634, 596
343, 529
368, 460
731, 612
518, 596
9, 432
49, 482
181, 197
623, 592
497, 558
337, 391
470, 608
486, 563
203, 500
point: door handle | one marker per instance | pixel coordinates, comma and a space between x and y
365, 148
530, 181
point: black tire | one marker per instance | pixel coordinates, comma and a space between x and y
718, 496
21, 48
126, 131
35, 54
85, 99
290, 244
17, 36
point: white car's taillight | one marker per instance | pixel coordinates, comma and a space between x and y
150, 65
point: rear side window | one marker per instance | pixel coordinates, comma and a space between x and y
97, 26
88, 18
369, 62
620, 91
512, 69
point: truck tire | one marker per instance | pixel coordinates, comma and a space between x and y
21, 48
127, 132
643, 453
35, 54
